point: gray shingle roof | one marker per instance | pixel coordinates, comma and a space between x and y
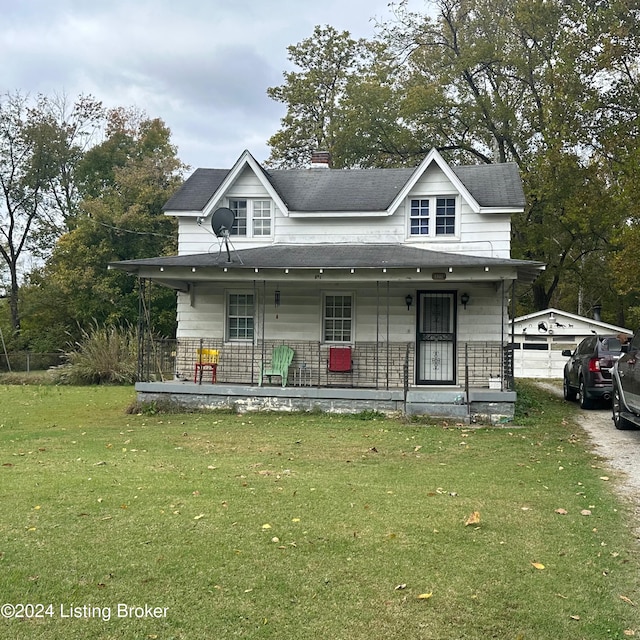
492, 185
339, 190
197, 190
311, 190
332, 256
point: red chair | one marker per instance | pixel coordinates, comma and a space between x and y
340, 360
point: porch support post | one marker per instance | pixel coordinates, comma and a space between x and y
377, 333
253, 342
388, 346
512, 372
502, 334
141, 330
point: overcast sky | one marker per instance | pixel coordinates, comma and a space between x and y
202, 66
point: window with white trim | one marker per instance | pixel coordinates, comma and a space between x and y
253, 218
338, 317
443, 211
420, 217
240, 316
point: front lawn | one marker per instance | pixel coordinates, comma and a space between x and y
279, 526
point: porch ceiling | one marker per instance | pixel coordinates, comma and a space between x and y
394, 257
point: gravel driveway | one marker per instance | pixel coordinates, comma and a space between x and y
621, 449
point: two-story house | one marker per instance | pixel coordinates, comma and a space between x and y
390, 286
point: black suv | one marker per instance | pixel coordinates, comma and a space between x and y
626, 386
587, 375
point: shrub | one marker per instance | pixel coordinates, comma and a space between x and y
107, 355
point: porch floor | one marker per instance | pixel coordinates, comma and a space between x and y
479, 405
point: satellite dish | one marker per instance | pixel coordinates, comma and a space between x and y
222, 221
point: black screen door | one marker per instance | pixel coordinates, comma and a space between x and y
436, 362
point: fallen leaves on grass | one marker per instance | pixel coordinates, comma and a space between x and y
425, 596
628, 600
585, 512
562, 512
538, 565
474, 518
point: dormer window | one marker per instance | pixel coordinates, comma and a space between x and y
253, 218
432, 216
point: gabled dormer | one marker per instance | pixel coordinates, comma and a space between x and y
463, 209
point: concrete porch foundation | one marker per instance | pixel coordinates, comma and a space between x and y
489, 406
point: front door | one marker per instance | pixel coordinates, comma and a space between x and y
436, 340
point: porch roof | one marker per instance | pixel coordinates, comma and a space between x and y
331, 256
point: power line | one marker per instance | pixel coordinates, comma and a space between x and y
137, 233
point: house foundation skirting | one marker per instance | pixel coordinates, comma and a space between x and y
487, 406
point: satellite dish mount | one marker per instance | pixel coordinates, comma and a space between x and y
222, 222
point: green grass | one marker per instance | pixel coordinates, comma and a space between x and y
101, 508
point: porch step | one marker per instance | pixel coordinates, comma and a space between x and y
449, 403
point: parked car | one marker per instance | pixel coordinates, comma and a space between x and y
626, 386
587, 373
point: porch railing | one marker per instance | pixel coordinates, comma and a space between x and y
375, 365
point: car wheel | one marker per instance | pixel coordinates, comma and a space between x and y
585, 403
616, 403
568, 392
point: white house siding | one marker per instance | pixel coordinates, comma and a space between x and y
380, 316
301, 308
482, 319
355, 230
479, 234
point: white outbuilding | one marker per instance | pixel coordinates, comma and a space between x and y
540, 337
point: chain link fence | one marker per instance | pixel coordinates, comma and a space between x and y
27, 361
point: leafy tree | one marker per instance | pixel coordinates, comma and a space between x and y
520, 80
313, 95
527, 81
127, 179
39, 147
618, 140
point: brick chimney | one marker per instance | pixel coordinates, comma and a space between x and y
320, 160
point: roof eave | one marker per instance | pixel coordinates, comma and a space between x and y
245, 160
340, 214
434, 156
502, 210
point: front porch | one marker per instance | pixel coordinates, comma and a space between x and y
382, 378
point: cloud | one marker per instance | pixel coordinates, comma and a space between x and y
202, 66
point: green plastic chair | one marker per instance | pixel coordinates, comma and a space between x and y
280, 360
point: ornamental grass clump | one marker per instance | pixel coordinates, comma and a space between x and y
107, 355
